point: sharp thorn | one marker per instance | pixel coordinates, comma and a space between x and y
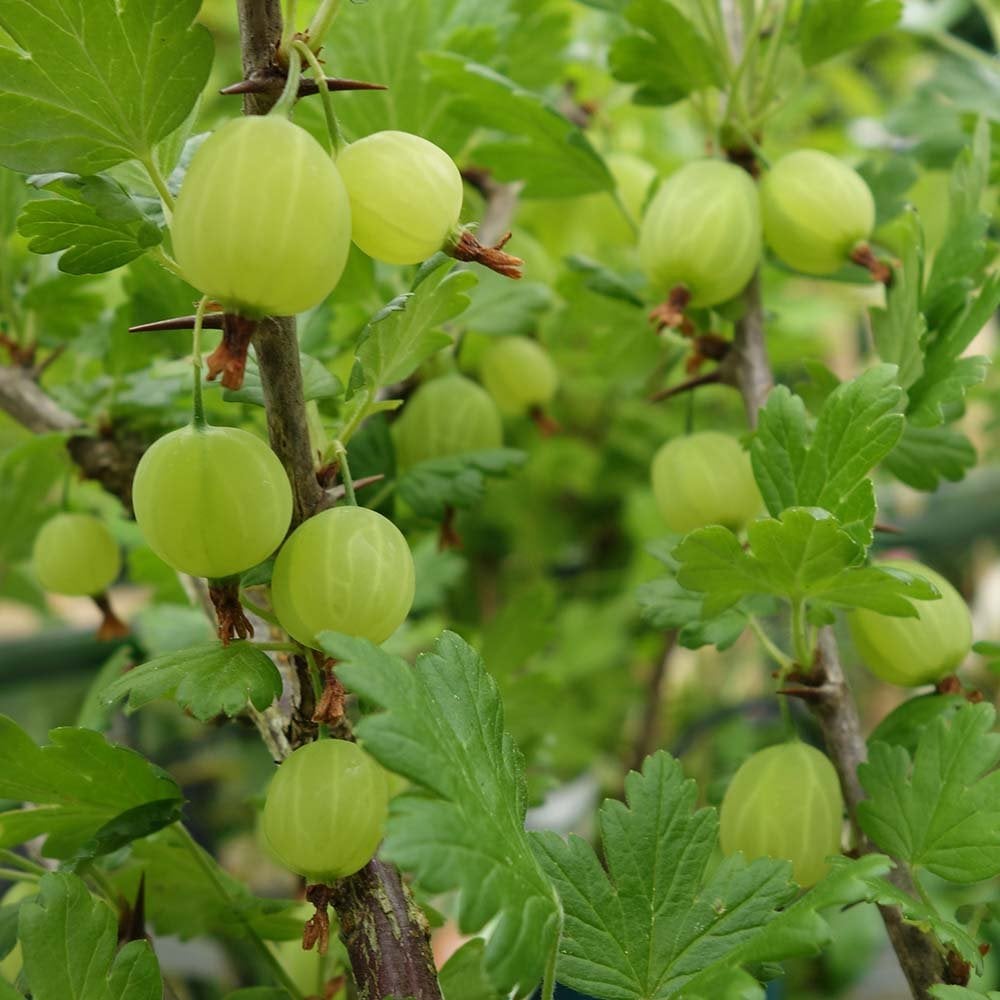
212, 321
274, 84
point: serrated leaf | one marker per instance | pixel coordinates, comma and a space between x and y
666, 604
900, 328
926, 455
92, 219
940, 992
69, 939
457, 481
207, 680
832, 26
603, 281
407, 331
317, 383
937, 810
97, 81
930, 921
665, 55
646, 926
77, 784
442, 727
905, 725
804, 556
541, 148
859, 424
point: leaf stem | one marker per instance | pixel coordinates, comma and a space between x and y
332, 125
166, 261
320, 24
198, 417
784, 661
800, 634
159, 181
276, 647
15, 875
29, 866
345, 473
256, 609
208, 867
549, 982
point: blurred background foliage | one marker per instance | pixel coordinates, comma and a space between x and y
544, 583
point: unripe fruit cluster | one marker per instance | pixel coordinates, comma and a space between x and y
702, 230
396, 195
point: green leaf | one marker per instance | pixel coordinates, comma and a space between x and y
68, 940
541, 148
184, 900
92, 219
207, 680
258, 993
77, 784
940, 992
930, 921
463, 828
926, 455
317, 383
457, 481
905, 725
804, 556
900, 328
832, 26
937, 810
665, 55
650, 923
28, 473
7, 992
100, 86
859, 424
940, 393
667, 605
501, 307
402, 335
462, 975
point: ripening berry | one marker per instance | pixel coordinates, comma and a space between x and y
784, 802
702, 232
262, 223
325, 811
347, 569
406, 196
212, 501
914, 651
75, 554
816, 210
519, 374
705, 478
450, 415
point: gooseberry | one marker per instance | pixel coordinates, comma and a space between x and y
784, 802
449, 415
75, 554
347, 569
406, 196
262, 223
519, 374
816, 210
325, 811
211, 501
705, 478
702, 232
914, 651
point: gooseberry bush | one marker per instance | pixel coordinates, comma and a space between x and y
496, 499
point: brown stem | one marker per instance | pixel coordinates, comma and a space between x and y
387, 937
280, 369
710, 378
864, 256
108, 457
746, 365
648, 738
837, 714
467, 247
